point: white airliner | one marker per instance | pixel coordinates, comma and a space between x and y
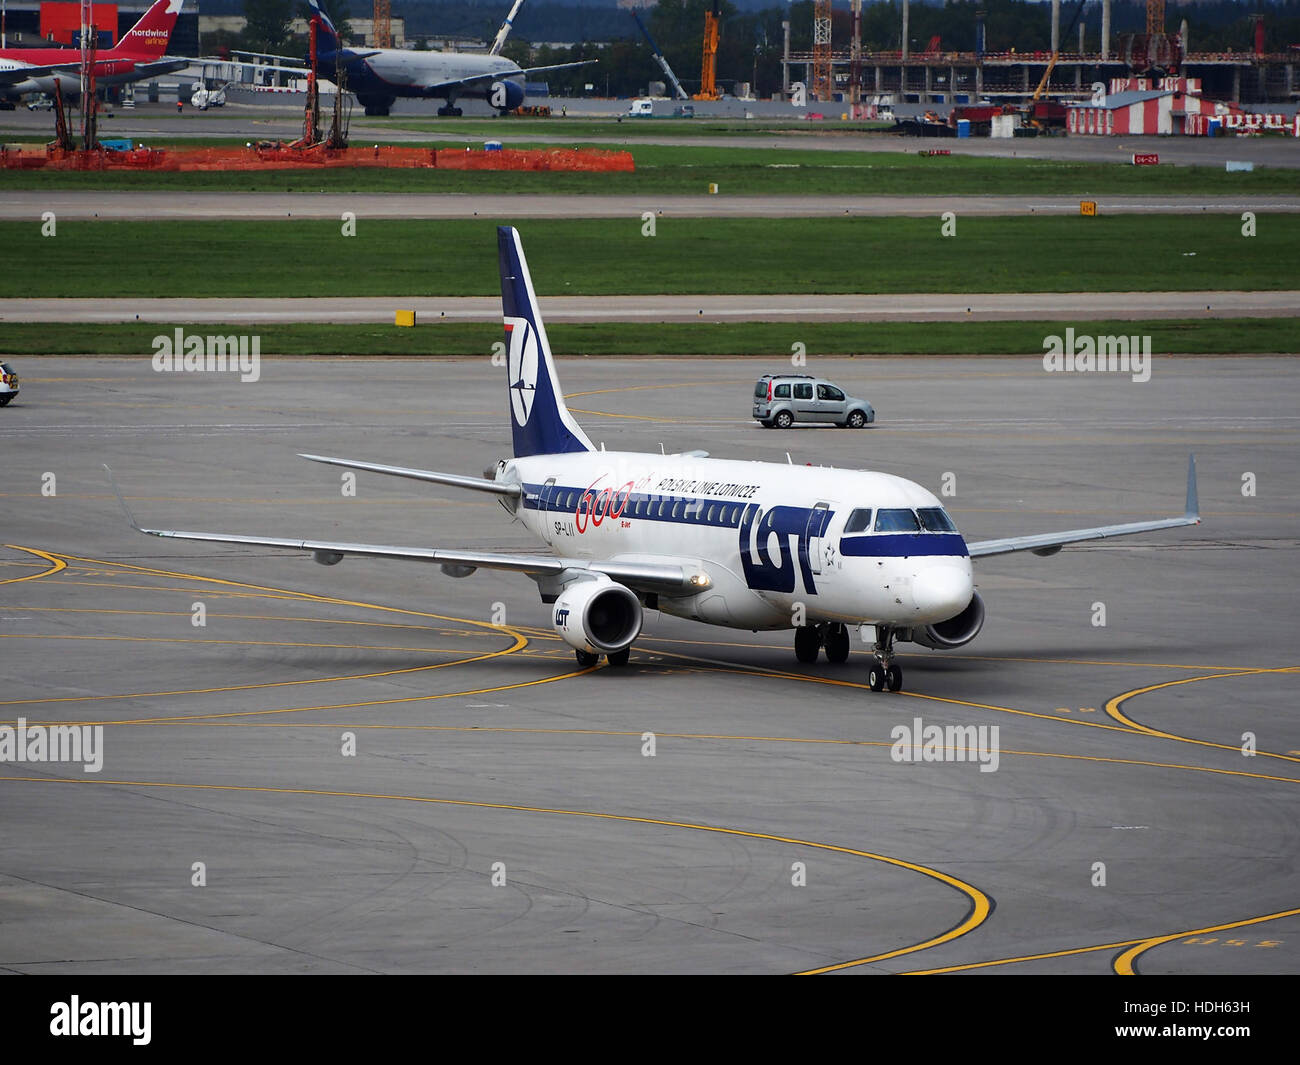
747, 545
378, 76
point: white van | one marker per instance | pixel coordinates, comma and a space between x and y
641, 108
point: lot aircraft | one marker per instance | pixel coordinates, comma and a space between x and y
747, 545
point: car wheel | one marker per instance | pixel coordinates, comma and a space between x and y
783, 420
857, 420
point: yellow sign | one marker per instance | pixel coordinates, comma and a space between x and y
404, 318
1088, 208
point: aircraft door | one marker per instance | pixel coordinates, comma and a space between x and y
821, 550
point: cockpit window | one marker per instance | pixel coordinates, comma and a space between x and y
859, 521
935, 519
896, 521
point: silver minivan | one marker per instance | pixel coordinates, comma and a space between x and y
781, 400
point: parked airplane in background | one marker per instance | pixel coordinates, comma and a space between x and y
378, 76
138, 55
748, 545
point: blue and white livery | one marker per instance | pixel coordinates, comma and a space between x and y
747, 545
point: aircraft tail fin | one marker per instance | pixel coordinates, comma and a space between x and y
540, 420
150, 35
327, 37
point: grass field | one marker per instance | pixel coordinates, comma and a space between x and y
756, 340
610, 256
736, 169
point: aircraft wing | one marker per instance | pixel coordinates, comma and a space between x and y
161, 66
1051, 543
667, 576
497, 75
13, 77
557, 66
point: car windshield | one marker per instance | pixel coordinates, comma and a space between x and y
896, 521
935, 519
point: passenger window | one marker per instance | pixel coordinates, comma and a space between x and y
829, 392
803, 391
859, 521
935, 519
709, 517
677, 509
781, 392
896, 521
663, 509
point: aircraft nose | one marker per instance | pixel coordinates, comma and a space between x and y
940, 592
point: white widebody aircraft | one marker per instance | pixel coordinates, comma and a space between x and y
379, 76
746, 545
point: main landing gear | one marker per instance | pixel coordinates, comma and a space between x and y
809, 640
587, 659
449, 112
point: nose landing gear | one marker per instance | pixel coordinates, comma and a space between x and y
884, 672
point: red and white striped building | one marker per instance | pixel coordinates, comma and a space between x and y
1167, 106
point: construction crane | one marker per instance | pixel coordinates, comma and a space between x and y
504, 31
821, 67
678, 91
1051, 63
709, 69
383, 23
1155, 16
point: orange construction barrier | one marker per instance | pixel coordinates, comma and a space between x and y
276, 155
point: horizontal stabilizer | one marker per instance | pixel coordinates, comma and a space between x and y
456, 480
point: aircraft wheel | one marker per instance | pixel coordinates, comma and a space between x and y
894, 677
619, 658
807, 642
837, 644
586, 659
876, 677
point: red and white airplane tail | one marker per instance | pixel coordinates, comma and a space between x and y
149, 36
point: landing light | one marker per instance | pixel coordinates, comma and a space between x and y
700, 580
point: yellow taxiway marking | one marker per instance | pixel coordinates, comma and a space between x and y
231, 643
1113, 710
56, 565
1126, 963
980, 904
1139, 946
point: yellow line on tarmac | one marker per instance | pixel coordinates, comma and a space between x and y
980, 908
56, 564
1113, 711
1126, 963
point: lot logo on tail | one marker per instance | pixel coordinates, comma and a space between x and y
523, 368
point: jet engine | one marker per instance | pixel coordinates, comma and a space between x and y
597, 616
506, 95
955, 631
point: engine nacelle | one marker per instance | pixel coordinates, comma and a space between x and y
505, 95
597, 616
954, 631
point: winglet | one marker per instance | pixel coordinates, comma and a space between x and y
125, 509
1193, 504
